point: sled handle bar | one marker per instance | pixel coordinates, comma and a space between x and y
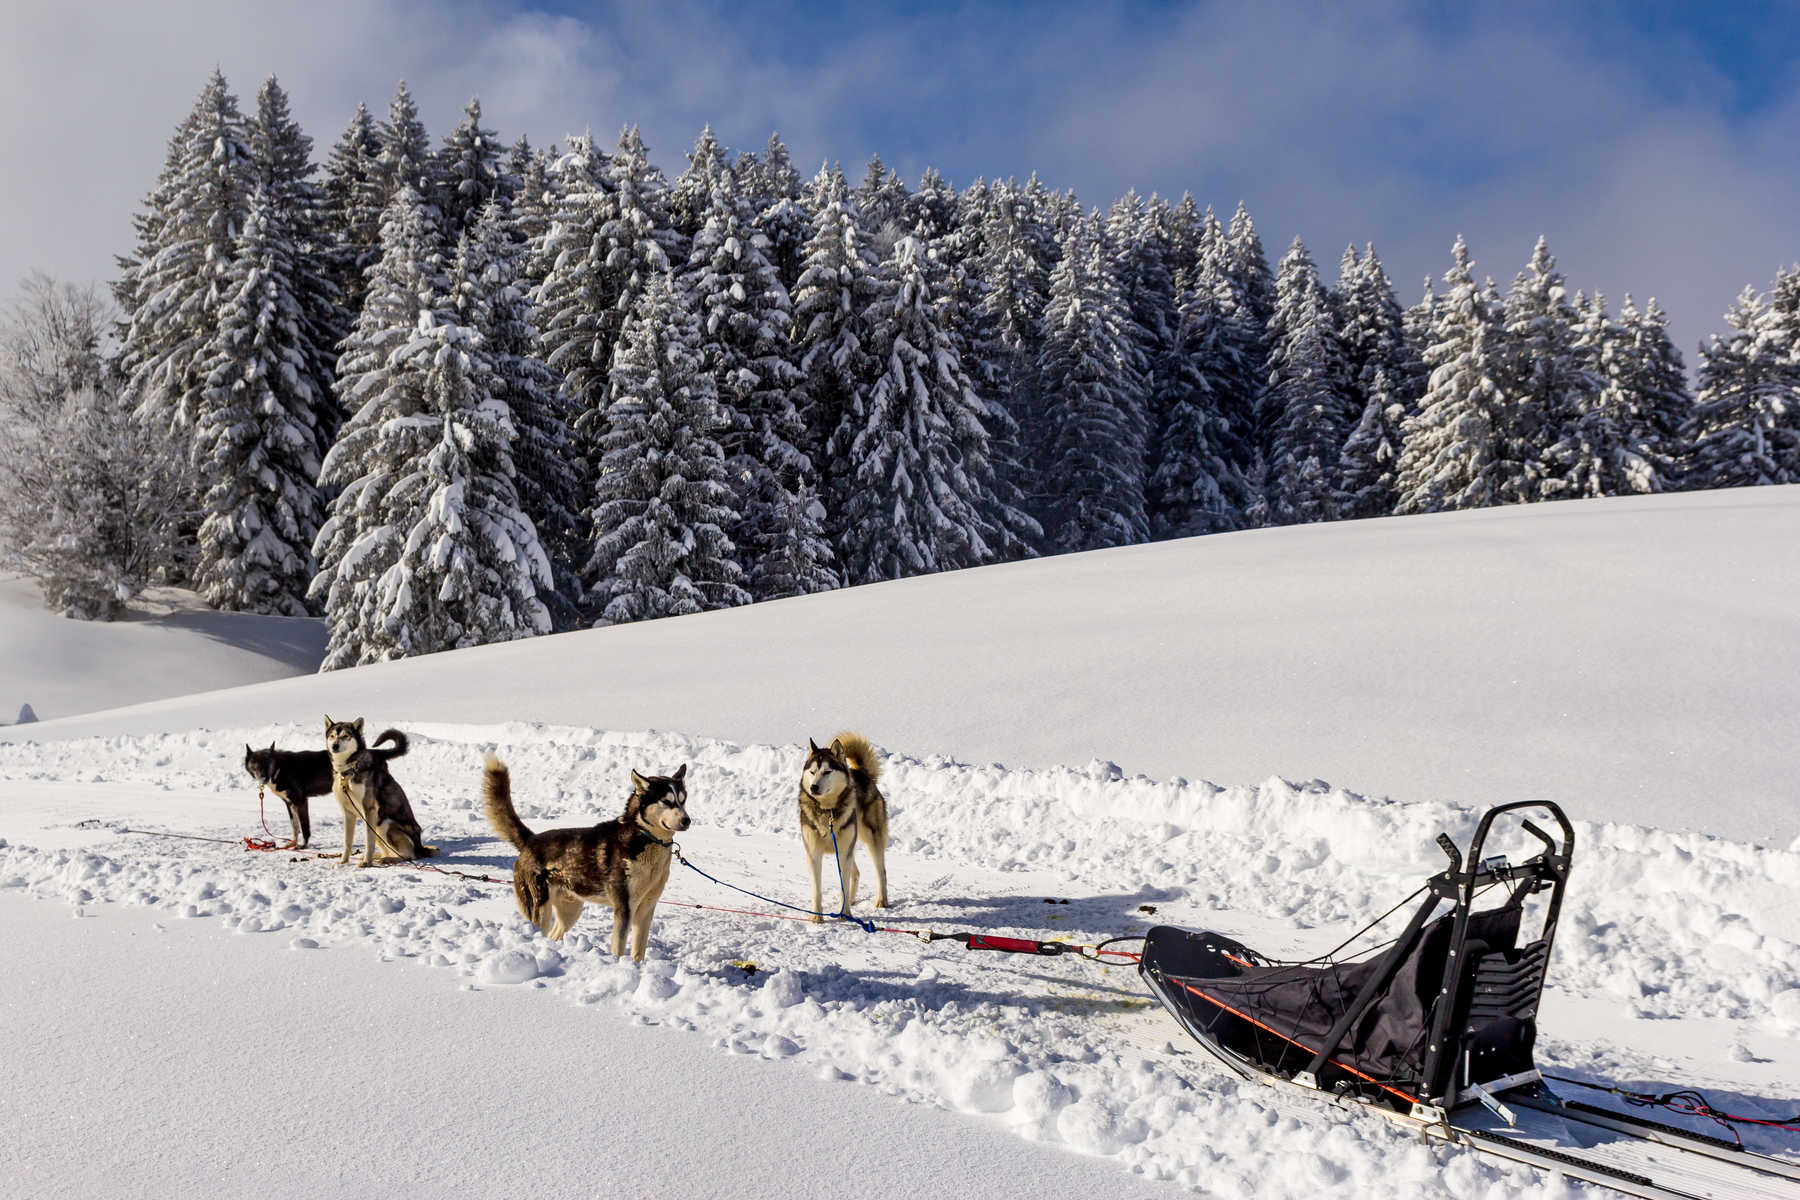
1551, 850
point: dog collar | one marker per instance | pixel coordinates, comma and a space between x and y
645, 830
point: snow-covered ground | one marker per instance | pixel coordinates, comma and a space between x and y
1678, 963
1633, 659
170, 645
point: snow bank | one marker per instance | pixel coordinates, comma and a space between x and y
1633, 659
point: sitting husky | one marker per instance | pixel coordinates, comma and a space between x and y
623, 862
367, 792
299, 775
838, 796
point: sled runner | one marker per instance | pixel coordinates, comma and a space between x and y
1436, 1030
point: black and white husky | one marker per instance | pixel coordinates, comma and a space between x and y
367, 792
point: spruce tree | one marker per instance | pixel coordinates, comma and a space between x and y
488, 300
176, 284
831, 304
350, 212
1238, 359
1746, 427
798, 560
257, 435
1545, 383
388, 433
1452, 457
469, 567
282, 156
1306, 393
691, 195
1599, 450
574, 300
663, 502
1650, 374
405, 160
881, 199
1191, 484
1093, 383
924, 490
1368, 465
747, 322
466, 173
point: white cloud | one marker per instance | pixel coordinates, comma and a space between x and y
1336, 126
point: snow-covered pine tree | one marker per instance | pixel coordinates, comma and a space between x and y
1546, 385
1187, 229
1014, 288
1451, 458
1238, 364
799, 562
930, 212
881, 199
769, 177
1598, 451
1191, 484
924, 490
350, 211
831, 303
533, 200
1137, 235
662, 499
387, 435
691, 194
1746, 425
469, 568
573, 301
746, 321
256, 432
293, 214
488, 299
175, 285
1650, 374
1306, 394
1371, 328
642, 244
1371, 454
1093, 385
405, 160
466, 173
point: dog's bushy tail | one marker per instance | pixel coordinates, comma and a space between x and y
859, 754
496, 797
394, 736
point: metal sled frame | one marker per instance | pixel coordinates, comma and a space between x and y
1478, 993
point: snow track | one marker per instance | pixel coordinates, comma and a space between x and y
1679, 932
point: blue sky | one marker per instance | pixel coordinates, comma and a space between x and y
1651, 142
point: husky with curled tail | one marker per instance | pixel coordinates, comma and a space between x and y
839, 801
623, 862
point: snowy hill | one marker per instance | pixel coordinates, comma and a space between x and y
171, 645
1631, 659
1634, 658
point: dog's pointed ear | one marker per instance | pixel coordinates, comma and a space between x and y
638, 782
359, 722
328, 722
680, 772
812, 747
271, 747
247, 750
837, 747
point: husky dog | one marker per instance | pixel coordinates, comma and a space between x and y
367, 792
838, 797
623, 862
299, 775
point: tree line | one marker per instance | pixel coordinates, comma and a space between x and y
460, 393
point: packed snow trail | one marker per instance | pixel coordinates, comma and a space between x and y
1679, 955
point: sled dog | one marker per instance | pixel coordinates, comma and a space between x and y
298, 775
838, 796
623, 862
367, 792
